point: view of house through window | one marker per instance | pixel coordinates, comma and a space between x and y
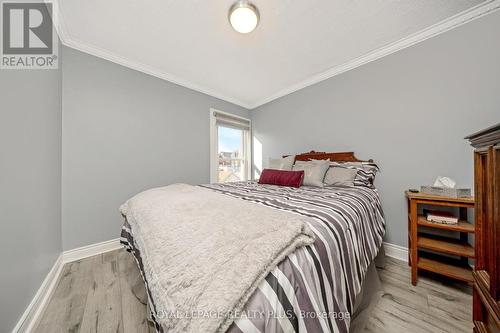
230, 147
232, 152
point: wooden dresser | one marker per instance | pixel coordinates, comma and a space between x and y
486, 274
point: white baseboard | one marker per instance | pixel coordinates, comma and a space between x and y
32, 314
396, 251
91, 250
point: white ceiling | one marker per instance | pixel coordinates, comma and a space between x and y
297, 42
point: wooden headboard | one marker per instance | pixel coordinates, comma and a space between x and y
336, 157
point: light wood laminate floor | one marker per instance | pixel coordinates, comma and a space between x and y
94, 295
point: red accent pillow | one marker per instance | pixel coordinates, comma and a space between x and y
281, 177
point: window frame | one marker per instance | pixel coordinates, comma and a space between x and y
214, 145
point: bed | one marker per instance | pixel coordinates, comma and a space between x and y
328, 286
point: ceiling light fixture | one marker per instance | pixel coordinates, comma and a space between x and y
243, 16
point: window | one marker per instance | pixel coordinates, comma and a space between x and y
230, 147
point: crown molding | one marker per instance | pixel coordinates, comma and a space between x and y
450, 23
138, 66
68, 41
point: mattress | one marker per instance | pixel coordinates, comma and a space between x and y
314, 289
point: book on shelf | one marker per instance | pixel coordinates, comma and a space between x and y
438, 216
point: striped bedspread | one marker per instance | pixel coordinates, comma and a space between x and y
314, 289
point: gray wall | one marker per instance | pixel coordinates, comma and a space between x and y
408, 111
124, 132
30, 185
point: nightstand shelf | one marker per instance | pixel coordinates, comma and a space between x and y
432, 252
462, 226
454, 271
449, 246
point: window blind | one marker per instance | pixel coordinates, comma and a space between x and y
231, 121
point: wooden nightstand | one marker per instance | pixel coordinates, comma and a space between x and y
424, 248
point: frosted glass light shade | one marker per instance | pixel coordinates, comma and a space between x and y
243, 17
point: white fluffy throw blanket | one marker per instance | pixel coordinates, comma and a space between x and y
204, 253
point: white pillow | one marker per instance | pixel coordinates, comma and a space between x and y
314, 171
284, 163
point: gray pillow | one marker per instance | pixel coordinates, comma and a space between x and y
336, 176
284, 163
366, 172
314, 171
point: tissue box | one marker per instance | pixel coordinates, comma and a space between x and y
446, 191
